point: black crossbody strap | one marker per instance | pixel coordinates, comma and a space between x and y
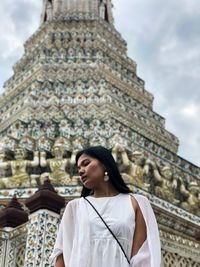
108, 229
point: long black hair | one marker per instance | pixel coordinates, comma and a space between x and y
105, 157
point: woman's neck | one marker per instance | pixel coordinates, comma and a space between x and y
107, 191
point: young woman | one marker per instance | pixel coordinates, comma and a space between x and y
108, 226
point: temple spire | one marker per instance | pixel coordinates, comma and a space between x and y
47, 12
85, 9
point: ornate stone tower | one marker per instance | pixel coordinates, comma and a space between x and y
75, 86
86, 9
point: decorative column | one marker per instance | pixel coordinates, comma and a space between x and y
10, 218
44, 218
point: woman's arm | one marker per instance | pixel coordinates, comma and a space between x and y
60, 261
140, 233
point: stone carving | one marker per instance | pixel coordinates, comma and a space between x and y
50, 130
167, 183
192, 195
34, 129
44, 143
7, 143
27, 142
58, 165
133, 169
79, 143
20, 177
117, 137
65, 128
16, 130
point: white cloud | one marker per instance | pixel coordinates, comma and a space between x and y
18, 21
191, 111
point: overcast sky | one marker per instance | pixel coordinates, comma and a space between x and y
163, 38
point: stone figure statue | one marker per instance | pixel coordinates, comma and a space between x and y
58, 165
147, 168
44, 143
192, 195
65, 128
116, 137
167, 184
96, 140
78, 142
20, 177
16, 130
7, 143
136, 169
120, 156
133, 167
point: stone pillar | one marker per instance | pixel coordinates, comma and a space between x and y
44, 218
10, 218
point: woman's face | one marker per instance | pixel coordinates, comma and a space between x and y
91, 171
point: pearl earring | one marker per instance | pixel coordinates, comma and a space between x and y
106, 177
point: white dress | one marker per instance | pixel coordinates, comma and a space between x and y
119, 215
85, 241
